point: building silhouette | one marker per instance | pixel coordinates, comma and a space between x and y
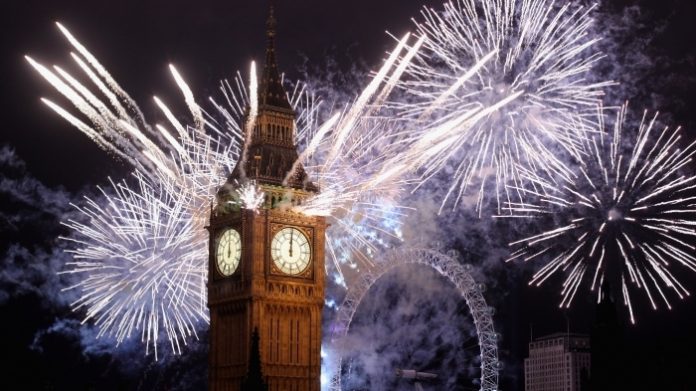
608, 357
558, 362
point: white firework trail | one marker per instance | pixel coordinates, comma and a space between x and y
479, 53
152, 152
113, 91
628, 214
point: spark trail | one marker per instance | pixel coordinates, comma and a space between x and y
627, 215
478, 53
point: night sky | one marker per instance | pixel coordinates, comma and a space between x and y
45, 163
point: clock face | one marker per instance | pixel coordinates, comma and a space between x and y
229, 251
290, 251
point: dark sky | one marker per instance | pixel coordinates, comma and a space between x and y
209, 40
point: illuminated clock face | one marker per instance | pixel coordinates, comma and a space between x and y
229, 251
290, 251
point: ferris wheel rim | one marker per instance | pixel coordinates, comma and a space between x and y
446, 265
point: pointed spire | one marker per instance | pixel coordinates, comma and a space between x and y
272, 92
272, 151
270, 26
606, 308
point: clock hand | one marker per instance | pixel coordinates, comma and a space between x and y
290, 252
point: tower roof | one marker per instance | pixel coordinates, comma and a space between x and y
272, 92
270, 155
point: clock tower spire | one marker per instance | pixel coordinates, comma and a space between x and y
266, 265
272, 151
272, 92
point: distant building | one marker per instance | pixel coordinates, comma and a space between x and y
558, 362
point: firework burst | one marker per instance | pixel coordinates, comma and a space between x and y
626, 215
137, 260
533, 56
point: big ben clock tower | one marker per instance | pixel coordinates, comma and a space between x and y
266, 266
